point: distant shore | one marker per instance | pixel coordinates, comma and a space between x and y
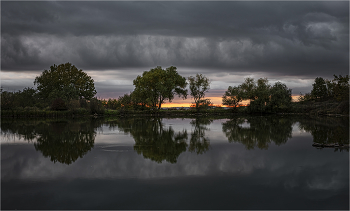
315, 109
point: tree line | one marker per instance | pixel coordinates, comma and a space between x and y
324, 89
62, 87
263, 96
157, 86
65, 87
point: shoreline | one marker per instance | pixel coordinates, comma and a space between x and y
162, 113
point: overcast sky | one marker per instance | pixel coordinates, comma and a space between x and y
291, 42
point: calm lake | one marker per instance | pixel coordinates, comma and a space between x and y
247, 162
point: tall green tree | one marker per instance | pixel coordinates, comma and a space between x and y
281, 97
261, 95
113, 104
139, 99
248, 89
65, 81
232, 96
341, 87
27, 97
8, 100
319, 88
125, 101
199, 85
157, 85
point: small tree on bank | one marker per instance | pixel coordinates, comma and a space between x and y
199, 85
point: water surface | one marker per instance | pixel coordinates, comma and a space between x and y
262, 162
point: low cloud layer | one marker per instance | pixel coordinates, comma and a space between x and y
300, 40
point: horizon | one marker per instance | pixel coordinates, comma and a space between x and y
290, 42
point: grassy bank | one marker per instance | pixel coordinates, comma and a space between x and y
328, 108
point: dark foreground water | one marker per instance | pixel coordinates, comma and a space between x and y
152, 163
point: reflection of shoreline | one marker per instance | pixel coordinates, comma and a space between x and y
157, 142
336, 147
61, 140
262, 131
327, 132
330, 145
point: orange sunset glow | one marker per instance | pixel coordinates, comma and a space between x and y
217, 101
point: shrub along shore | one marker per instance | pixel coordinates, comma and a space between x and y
328, 108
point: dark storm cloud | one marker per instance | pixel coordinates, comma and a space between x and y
165, 18
279, 38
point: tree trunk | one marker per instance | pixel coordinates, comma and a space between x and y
160, 102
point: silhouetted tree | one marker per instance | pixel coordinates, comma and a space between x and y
232, 96
65, 81
319, 88
262, 96
199, 85
157, 85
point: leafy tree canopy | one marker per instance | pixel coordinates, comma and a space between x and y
157, 85
319, 88
199, 85
341, 87
248, 88
324, 89
65, 81
281, 96
232, 96
261, 94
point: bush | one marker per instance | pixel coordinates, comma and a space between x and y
83, 103
111, 112
81, 111
58, 105
73, 105
96, 107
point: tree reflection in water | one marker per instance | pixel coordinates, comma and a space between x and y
262, 131
327, 130
65, 142
62, 141
199, 143
159, 143
152, 139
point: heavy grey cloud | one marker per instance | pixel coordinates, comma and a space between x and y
298, 39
